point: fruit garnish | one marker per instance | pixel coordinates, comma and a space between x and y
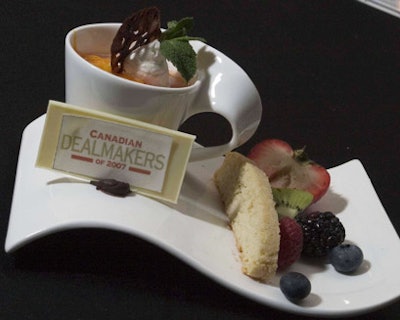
291, 242
288, 168
346, 258
295, 286
290, 202
112, 187
143, 27
322, 231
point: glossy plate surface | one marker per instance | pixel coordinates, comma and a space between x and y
45, 202
389, 6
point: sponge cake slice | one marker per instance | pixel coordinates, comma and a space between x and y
247, 197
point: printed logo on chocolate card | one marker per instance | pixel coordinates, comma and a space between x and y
103, 149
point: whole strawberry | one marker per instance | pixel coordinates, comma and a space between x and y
291, 244
288, 168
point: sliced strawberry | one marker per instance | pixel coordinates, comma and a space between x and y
288, 168
291, 243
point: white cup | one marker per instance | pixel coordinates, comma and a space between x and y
221, 87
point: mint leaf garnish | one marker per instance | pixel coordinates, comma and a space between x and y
175, 47
177, 28
182, 56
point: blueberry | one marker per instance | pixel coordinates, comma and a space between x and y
346, 258
295, 286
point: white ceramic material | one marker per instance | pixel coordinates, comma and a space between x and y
44, 203
222, 87
389, 6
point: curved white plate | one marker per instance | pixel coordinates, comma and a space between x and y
43, 204
388, 6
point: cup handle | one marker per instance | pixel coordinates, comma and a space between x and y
227, 90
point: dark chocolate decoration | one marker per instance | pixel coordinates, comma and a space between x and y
112, 187
139, 29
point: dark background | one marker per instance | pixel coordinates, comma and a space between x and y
328, 73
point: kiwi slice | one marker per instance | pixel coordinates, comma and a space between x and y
290, 202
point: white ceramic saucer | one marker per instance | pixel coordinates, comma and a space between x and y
45, 202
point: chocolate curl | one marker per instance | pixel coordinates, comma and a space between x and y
137, 30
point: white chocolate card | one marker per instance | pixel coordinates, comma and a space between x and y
97, 145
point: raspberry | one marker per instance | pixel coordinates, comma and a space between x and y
321, 232
291, 243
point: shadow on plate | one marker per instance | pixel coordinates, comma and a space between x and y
331, 201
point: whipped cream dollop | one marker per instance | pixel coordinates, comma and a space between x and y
147, 64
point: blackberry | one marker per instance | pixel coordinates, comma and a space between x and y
322, 231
